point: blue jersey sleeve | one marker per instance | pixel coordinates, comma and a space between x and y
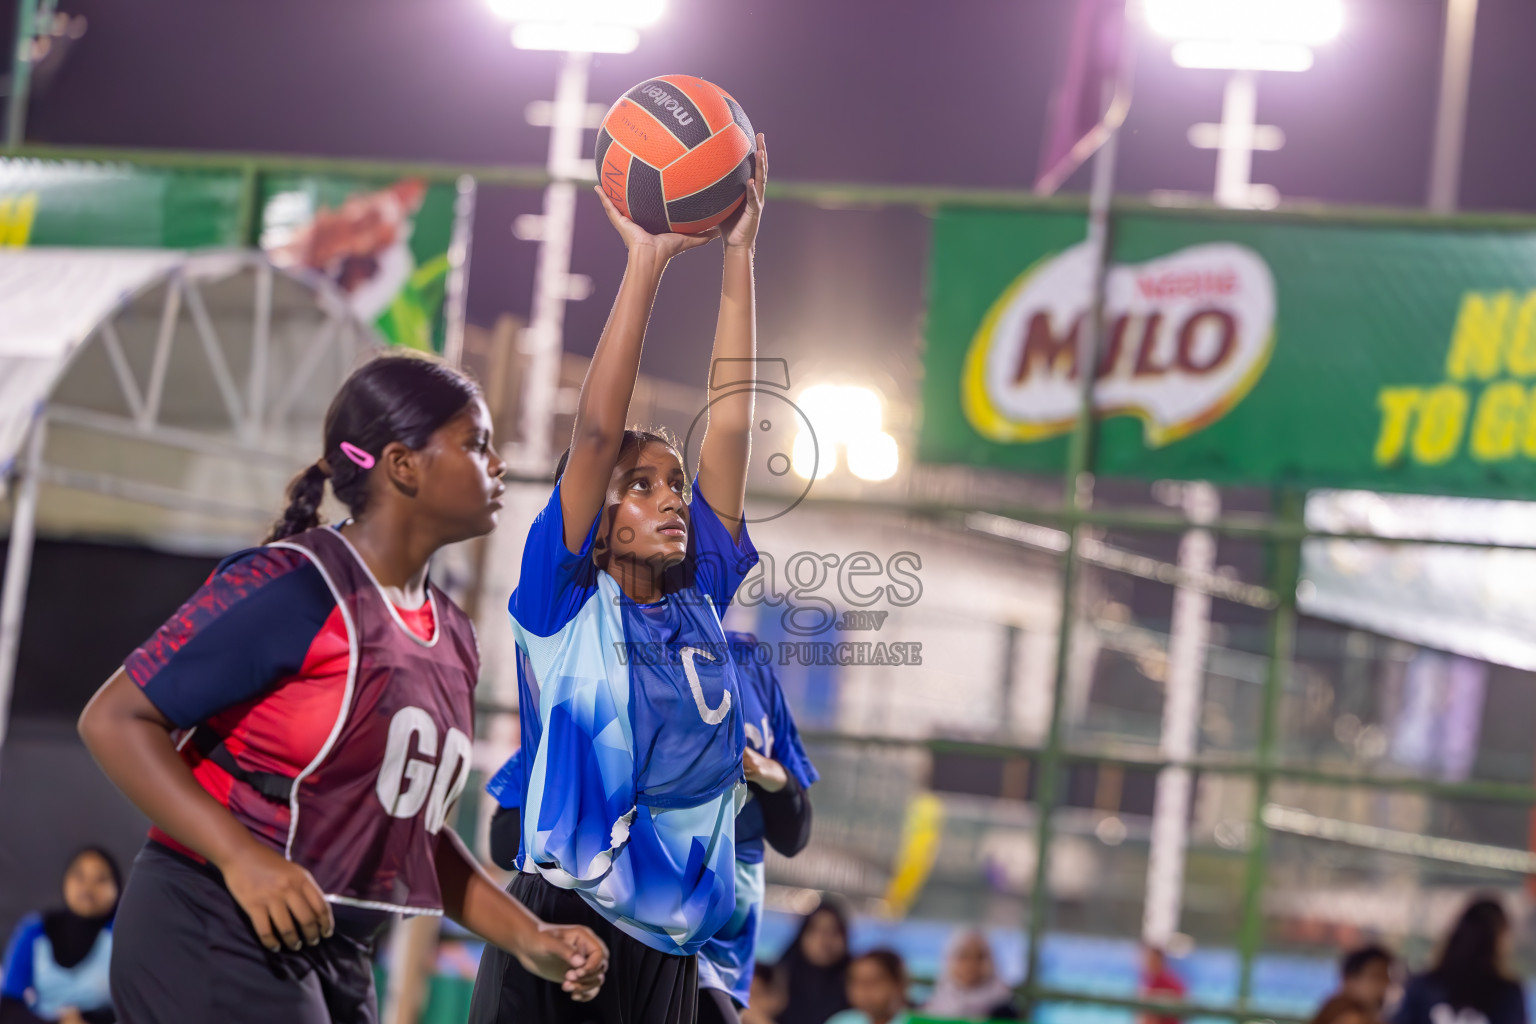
554, 583
787, 748
248, 627
506, 786
18, 957
719, 563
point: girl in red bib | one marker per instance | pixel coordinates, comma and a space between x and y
300, 731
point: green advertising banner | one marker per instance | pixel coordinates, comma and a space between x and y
383, 245
1240, 351
53, 203
385, 248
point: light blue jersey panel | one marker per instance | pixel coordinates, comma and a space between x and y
725, 961
634, 778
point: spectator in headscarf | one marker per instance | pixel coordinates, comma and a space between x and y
815, 967
1469, 983
56, 966
969, 988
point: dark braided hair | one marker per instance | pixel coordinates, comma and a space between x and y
401, 398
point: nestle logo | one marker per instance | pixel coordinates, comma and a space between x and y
1186, 284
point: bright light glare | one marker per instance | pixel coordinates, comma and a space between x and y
838, 413
1305, 22
1241, 56
623, 13
873, 457
805, 457
847, 417
576, 37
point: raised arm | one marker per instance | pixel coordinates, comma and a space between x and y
603, 407
727, 441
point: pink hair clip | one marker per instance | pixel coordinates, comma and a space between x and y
356, 454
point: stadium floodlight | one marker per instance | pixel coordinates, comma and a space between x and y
578, 26
1232, 55
1243, 37
838, 412
873, 457
633, 13
1307, 22
810, 455
579, 29
849, 417
1246, 35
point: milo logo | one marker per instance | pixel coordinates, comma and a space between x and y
666, 101
1186, 337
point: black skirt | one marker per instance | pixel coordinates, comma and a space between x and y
183, 950
643, 986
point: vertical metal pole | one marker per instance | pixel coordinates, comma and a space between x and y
1451, 117
248, 225
1234, 154
21, 74
1188, 635
551, 287
458, 270
261, 344
1282, 642
18, 566
1079, 462
1007, 678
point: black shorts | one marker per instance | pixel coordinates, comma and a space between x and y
717, 1007
183, 950
643, 986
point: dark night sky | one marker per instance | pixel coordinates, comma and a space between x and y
950, 92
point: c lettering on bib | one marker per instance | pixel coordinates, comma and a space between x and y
414, 776
711, 715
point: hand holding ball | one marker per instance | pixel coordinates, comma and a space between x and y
675, 154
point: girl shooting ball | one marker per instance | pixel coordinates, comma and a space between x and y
299, 731
632, 735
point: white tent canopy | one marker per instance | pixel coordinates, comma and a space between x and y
159, 397
50, 301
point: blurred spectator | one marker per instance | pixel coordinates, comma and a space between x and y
1159, 982
815, 968
1342, 1009
877, 988
970, 988
1365, 976
766, 1001
57, 962
1469, 984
